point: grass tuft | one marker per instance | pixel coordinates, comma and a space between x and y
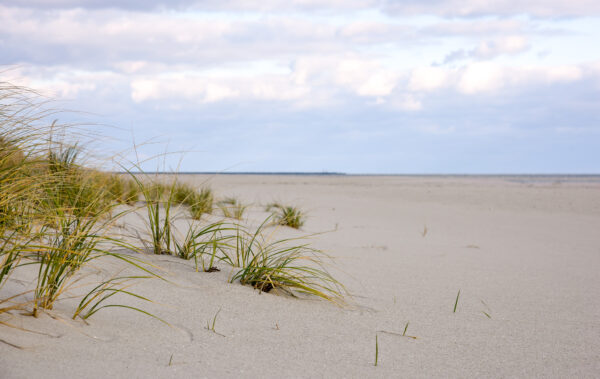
286, 265
232, 208
287, 215
201, 203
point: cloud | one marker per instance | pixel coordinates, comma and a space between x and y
365, 78
452, 8
428, 78
507, 45
328, 75
481, 77
97, 38
476, 8
510, 45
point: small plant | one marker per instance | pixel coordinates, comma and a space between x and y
376, 350
103, 291
232, 208
282, 264
456, 302
287, 215
487, 314
211, 326
203, 241
183, 193
158, 209
201, 203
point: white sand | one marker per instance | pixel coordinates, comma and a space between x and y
530, 251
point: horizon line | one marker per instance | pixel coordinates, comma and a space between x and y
334, 173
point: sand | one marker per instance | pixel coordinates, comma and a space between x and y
526, 252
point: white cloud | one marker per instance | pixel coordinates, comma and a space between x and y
506, 45
462, 8
406, 102
563, 74
471, 8
428, 78
481, 77
364, 77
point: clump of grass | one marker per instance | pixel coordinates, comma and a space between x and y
183, 193
232, 208
123, 190
287, 215
158, 201
55, 212
201, 203
285, 265
76, 208
203, 241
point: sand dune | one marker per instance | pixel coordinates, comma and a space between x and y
525, 255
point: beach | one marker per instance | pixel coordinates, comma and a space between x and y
524, 252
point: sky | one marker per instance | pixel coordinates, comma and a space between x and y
354, 86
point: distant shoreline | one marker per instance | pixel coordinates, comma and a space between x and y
283, 173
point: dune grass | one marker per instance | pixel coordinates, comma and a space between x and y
456, 302
122, 189
56, 214
376, 351
159, 213
211, 326
287, 265
287, 215
94, 300
183, 193
232, 208
201, 203
204, 244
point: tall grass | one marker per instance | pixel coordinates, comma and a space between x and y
286, 265
159, 200
204, 244
54, 211
21, 145
56, 214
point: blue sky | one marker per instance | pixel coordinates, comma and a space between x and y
357, 86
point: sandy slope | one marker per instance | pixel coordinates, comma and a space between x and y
528, 254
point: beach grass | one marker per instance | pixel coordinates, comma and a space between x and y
376, 350
201, 203
456, 302
57, 213
288, 265
287, 215
232, 208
